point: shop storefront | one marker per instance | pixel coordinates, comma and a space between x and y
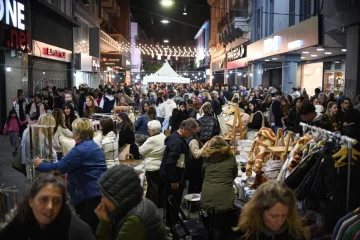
87, 70
237, 66
51, 66
15, 42
334, 76
285, 50
218, 68
114, 67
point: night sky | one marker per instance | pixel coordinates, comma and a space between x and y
149, 13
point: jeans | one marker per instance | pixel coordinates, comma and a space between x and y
165, 125
13, 136
161, 120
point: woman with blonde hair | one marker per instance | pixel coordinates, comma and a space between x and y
84, 165
38, 141
270, 214
217, 196
207, 98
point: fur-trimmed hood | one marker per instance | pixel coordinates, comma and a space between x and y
218, 153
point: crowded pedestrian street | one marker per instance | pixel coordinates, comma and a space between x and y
179, 120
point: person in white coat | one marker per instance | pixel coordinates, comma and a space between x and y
167, 109
109, 142
153, 151
59, 130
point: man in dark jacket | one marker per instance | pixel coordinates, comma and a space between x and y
59, 100
277, 112
190, 108
82, 100
216, 103
308, 115
173, 164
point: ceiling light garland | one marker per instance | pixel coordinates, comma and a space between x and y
163, 50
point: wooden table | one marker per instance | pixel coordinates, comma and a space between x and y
280, 151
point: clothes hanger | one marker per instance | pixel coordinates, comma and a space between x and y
357, 211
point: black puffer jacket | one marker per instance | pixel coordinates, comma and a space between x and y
209, 127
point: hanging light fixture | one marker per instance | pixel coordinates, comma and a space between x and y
167, 3
185, 13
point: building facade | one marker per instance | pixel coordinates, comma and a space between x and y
229, 29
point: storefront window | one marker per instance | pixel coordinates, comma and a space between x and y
334, 77
312, 77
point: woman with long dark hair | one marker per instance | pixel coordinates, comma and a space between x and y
257, 119
59, 130
45, 214
149, 113
293, 119
70, 116
127, 135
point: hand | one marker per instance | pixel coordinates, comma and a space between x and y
175, 186
101, 212
37, 161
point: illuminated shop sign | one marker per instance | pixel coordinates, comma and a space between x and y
236, 53
95, 64
295, 44
12, 13
54, 52
272, 44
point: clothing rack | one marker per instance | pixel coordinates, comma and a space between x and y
8, 200
349, 141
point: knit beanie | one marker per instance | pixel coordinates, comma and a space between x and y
121, 184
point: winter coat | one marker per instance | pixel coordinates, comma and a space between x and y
141, 125
16, 107
322, 121
175, 158
84, 164
96, 110
111, 149
257, 121
219, 171
159, 110
177, 117
216, 106
141, 223
277, 113
107, 103
192, 112
66, 226
209, 127
268, 235
167, 108
13, 125
56, 138
153, 151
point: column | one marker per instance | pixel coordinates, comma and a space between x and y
226, 73
288, 76
289, 70
257, 74
352, 69
3, 114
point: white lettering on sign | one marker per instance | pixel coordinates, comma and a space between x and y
236, 53
272, 44
14, 13
295, 44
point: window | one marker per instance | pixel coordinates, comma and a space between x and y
291, 12
258, 26
271, 18
64, 6
305, 9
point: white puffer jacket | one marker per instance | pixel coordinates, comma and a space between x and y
56, 138
110, 147
153, 151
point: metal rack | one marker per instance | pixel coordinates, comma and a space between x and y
349, 141
8, 200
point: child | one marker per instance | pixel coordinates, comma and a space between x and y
12, 126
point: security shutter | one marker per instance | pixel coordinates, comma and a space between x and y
56, 74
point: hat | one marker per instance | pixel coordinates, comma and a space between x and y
121, 185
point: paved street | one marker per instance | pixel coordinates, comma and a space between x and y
8, 175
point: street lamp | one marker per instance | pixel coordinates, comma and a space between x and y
166, 3
164, 21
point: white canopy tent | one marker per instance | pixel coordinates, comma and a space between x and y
165, 75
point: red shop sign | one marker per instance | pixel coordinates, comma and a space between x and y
54, 52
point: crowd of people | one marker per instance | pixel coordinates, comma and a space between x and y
177, 133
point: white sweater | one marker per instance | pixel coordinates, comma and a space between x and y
153, 151
110, 147
167, 108
60, 132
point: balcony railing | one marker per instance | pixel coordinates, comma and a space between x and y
237, 10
